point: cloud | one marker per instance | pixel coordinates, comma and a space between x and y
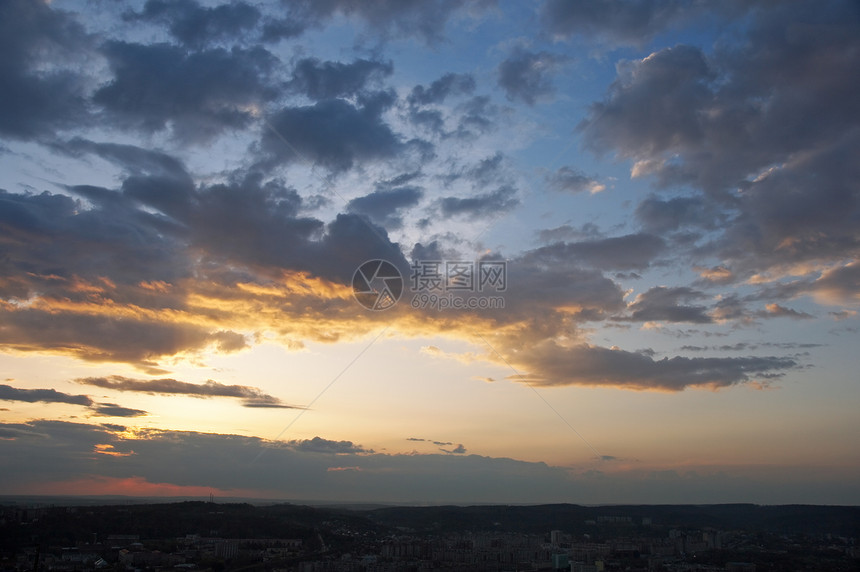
569, 180
97, 337
582, 364
458, 450
715, 274
659, 216
196, 26
623, 22
525, 75
114, 410
551, 288
472, 117
197, 94
664, 304
653, 105
839, 284
9, 393
320, 445
483, 173
423, 20
39, 100
567, 232
383, 206
450, 84
41, 456
842, 314
777, 311
332, 133
480, 206
320, 80
250, 396
744, 346
758, 127
628, 252
476, 116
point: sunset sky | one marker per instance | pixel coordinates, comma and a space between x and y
670, 190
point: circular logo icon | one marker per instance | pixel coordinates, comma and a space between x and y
377, 285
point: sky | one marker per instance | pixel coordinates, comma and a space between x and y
431, 251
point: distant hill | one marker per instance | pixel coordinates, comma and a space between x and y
241, 520
573, 518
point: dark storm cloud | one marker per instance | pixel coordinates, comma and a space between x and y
663, 304
773, 117
450, 84
632, 251
320, 445
526, 76
592, 365
383, 207
114, 410
247, 220
251, 220
36, 99
570, 180
655, 104
254, 222
320, 80
250, 396
484, 205
9, 393
199, 94
61, 248
57, 235
332, 133
194, 25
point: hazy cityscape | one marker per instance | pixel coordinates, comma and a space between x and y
204, 536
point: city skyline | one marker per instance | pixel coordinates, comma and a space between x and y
599, 252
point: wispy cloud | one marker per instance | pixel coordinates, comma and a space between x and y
250, 396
